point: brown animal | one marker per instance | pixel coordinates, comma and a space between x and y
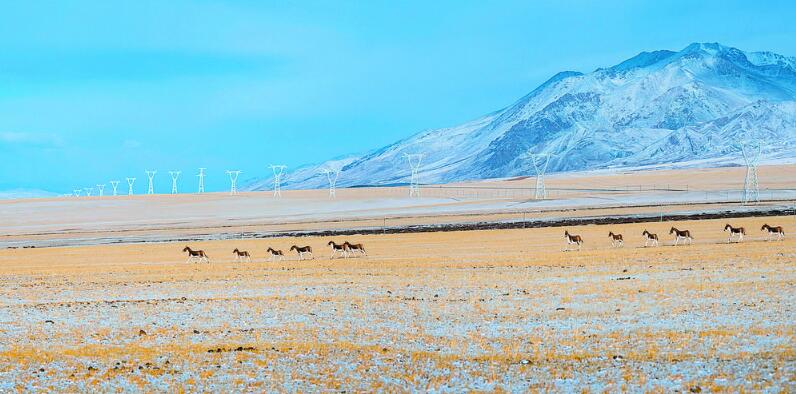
338, 248
195, 255
242, 255
573, 239
778, 231
650, 238
735, 231
276, 254
302, 250
616, 240
355, 248
685, 235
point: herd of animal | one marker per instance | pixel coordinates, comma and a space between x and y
344, 250
348, 249
680, 236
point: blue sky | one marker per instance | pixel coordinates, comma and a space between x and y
98, 90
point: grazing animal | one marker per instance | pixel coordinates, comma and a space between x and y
196, 255
650, 238
573, 239
354, 248
735, 231
616, 240
242, 255
302, 250
276, 254
339, 248
778, 231
685, 235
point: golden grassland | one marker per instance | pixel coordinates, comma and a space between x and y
504, 310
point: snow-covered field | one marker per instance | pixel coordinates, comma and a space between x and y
480, 310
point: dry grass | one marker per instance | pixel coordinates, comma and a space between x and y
481, 310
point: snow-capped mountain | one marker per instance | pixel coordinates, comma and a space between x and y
660, 107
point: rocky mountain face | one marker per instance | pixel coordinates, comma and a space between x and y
660, 108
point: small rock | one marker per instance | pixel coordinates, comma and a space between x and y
141, 332
617, 357
195, 331
49, 321
560, 308
695, 389
525, 362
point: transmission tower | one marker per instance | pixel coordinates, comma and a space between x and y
174, 176
233, 179
89, 191
201, 176
101, 189
114, 184
331, 175
130, 182
751, 188
414, 164
278, 171
540, 163
151, 175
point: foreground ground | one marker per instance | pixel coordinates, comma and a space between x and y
485, 310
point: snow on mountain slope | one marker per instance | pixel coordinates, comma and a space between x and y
657, 107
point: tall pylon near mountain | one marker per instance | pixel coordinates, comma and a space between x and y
332, 174
540, 162
414, 160
233, 181
751, 188
279, 170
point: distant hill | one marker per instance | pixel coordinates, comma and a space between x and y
25, 193
657, 108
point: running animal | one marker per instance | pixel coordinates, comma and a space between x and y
276, 254
354, 248
735, 232
772, 231
616, 240
573, 239
196, 255
339, 248
685, 235
650, 238
302, 250
242, 255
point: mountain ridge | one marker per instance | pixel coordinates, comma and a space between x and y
639, 112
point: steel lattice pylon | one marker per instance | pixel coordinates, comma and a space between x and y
414, 164
174, 176
751, 187
540, 165
332, 174
233, 181
279, 170
151, 175
201, 176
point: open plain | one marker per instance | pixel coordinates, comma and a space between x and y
448, 311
